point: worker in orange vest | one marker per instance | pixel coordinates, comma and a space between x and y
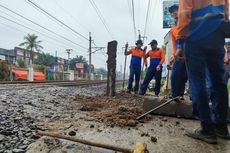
157, 58
135, 65
179, 73
202, 28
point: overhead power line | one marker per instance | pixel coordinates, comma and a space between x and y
16, 29
101, 17
70, 15
134, 22
42, 26
53, 19
28, 27
130, 10
62, 23
147, 17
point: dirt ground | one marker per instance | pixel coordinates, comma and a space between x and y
84, 112
112, 121
120, 110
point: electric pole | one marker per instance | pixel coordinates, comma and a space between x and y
90, 54
56, 62
139, 36
68, 52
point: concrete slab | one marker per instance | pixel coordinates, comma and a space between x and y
173, 109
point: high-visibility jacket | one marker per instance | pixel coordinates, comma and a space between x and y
174, 33
137, 55
156, 57
198, 18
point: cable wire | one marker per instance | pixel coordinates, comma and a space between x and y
27, 27
147, 17
62, 23
134, 22
41, 26
70, 15
101, 17
16, 29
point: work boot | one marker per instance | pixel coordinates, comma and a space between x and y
141, 93
221, 131
156, 94
128, 91
205, 133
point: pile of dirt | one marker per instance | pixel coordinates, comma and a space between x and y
120, 110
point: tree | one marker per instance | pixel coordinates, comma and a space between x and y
100, 71
45, 59
4, 71
79, 59
31, 43
21, 63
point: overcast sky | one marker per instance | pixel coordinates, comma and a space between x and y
81, 16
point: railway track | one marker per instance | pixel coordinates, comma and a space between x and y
6, 85
39, 82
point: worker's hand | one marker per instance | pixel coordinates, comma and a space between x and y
169, 66
146, 67
158, 68
180, 53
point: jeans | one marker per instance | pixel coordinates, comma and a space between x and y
178, 78
207, 54
152, 72
135, 70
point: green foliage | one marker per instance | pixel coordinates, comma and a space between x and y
79, 59
31, 43
4, 71
45, 59
21, 63
41, 68
100, 71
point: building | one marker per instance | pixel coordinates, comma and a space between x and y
7, 55
22, 54
168, 53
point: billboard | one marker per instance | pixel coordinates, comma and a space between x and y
79, 66
168, 21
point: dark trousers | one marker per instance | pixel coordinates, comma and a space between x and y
135, 70
207, 54
152, 72
178, 78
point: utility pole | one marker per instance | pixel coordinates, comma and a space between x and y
95, 49
139, 36
90, 54
126, 48
68, 52
56, 62
56, 67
